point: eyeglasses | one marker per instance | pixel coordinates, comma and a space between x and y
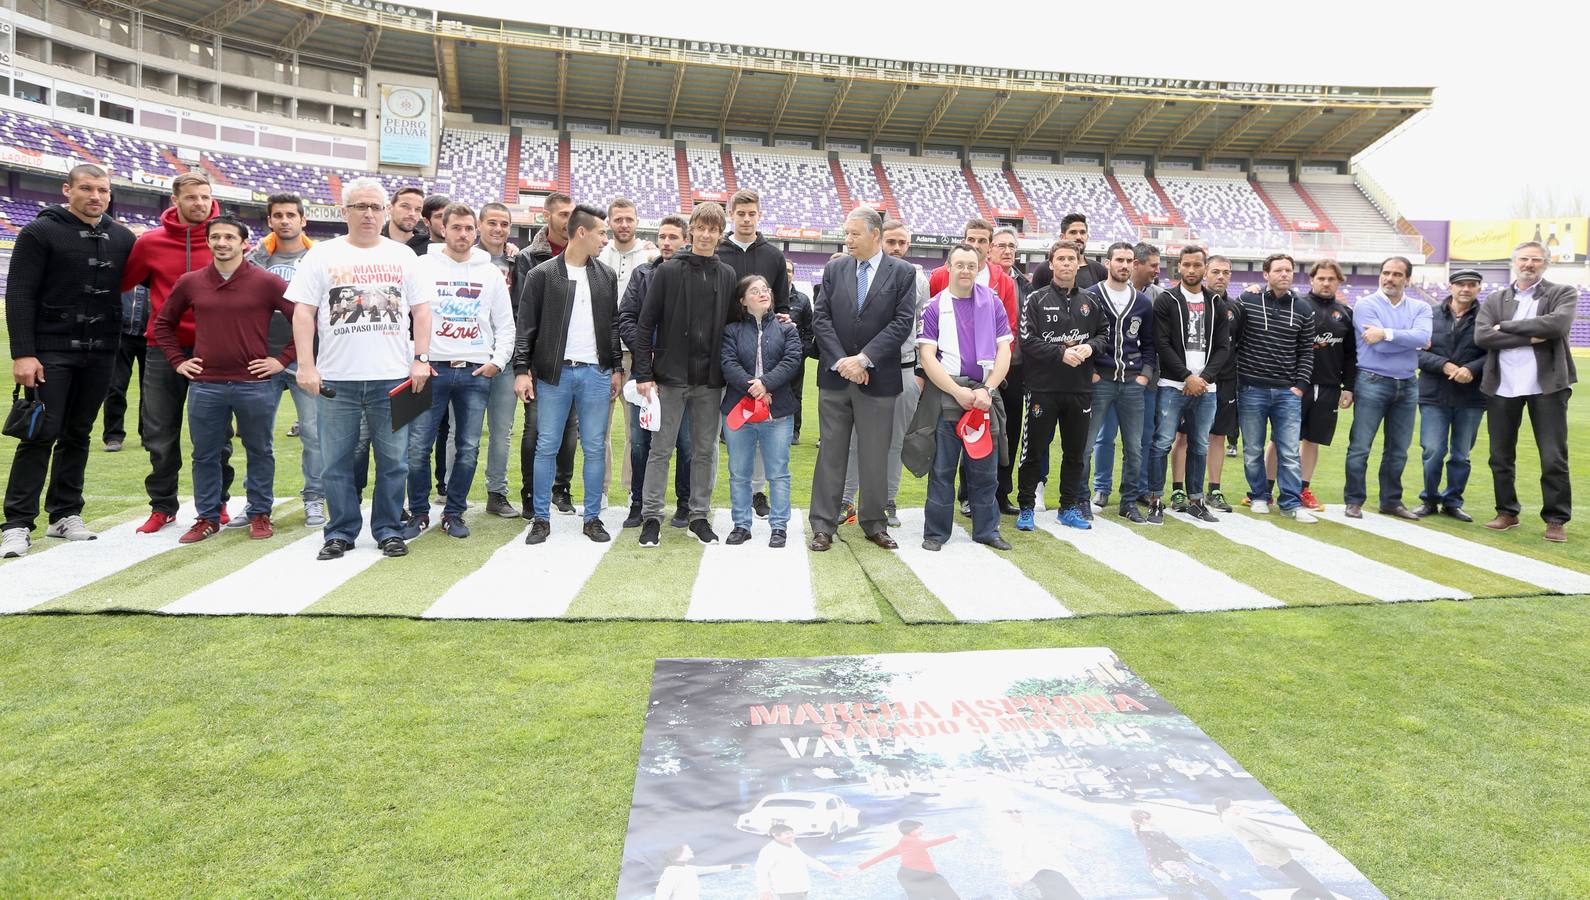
366, 208
759, 292
1531, 259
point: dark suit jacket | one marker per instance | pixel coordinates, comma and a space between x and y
885, 320
1555, 308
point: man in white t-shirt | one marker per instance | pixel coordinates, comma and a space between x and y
355, 295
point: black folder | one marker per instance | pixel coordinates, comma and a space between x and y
408, 405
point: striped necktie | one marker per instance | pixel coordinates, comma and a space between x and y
861, 284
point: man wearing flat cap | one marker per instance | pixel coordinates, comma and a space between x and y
1450, 403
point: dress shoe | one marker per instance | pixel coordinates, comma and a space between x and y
1424, 509
334, 549
1399, 512
1557, 532
998, 543
1006, 508
821, 542
1456, 512
932, 544
1502, 522
1354, 511
883, 540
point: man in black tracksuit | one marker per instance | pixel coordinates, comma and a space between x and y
1074, 227
63, 309
1335, 372
1061, 328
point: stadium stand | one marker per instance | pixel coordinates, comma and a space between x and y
470, 165
996, 190
1352, 212
706, 170
538, 158
1223, 204
602, 168
934, 197
797, 189
860, 179
1141, 194
1054, 192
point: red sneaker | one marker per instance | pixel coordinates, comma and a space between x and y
259, 527
1310, 501
225, 518
202, 528
155, 522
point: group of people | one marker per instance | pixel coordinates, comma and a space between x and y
962, 375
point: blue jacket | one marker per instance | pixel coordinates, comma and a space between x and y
781, 361
1130, 350
1451, 340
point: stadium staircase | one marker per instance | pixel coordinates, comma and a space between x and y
78, 149
1125, 201
891, 208
1176, 217
687, 196
563, 162
1319, 211
984, 209
846, 202
216, 175
1276, 213
510, 180
1029, 218
334, 181
729, 181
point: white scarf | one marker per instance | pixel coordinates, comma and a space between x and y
950, 337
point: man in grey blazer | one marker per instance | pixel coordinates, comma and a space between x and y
861, 318
1524, 329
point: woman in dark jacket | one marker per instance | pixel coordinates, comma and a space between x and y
760, 357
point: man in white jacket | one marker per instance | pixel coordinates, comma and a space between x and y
781, 867
1270, 849
472, 335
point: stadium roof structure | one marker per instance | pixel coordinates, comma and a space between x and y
512, 66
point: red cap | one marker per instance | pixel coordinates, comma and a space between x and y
976, 431
748, 410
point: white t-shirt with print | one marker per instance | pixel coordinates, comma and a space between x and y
363, 296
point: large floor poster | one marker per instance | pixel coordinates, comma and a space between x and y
1047, 773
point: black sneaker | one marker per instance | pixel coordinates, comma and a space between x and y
1217, 499
596, 531
1131, 513
1086, 509
540, 530
650, 532
498, 505
334, 549
563, 503
681, 517
1199, 511
394, 546
737, 537
634, 519
702, 529
777, 539
759, 505
1156, 512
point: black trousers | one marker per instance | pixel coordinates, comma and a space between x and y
1548, 418
73, 391
164, 397
1046, 412
920, 885
1052, 885
798, 386
527, 457
129, 353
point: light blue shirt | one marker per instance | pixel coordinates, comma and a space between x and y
1407, 326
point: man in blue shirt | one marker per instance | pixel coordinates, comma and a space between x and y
1391, 331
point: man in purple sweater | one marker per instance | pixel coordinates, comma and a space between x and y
1391, 329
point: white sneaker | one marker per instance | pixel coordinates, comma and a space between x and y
314, 513
14, 542
1260, 508
1300, 515
240, 520
71, 528
1037, 500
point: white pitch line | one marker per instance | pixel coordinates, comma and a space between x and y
754, 582
1330, 562
37, 579
1179, 579
286, 581
975, 583
524, 582
1450, 546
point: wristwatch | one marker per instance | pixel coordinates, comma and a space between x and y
422, 357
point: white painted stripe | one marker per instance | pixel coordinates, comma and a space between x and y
754, 582
975, 583
286, 581
42, 577
1483, 556
524, 582
1179, 579
1348, 569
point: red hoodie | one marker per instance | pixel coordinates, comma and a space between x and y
162, 255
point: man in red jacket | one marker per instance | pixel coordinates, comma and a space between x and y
159, 258
231, 303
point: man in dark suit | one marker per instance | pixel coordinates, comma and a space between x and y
860, 319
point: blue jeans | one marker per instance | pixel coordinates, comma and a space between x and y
362, 411
1121, 402
502, 408
211, 406
1103, 448
1173, 405
587, 390
466, 395
1442, 428
1281, 412
307, 409
772, 439
982, 482
640, 449
1377, 398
